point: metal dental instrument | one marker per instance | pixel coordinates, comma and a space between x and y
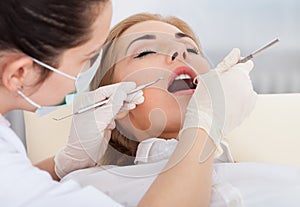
145, 85
257, 52
102, 103
252, 55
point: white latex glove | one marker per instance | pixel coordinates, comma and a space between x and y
91, 130
224, 97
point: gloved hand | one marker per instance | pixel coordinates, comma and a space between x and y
91, 130
224, 97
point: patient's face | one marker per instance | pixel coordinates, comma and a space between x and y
150, 50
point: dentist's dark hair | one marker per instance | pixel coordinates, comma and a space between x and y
44, 29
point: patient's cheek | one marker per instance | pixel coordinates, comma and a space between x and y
160, 108
140, 116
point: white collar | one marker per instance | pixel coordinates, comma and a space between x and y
154, 150
158, 149
4, 121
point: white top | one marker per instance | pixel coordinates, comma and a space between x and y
234, 184
24, 185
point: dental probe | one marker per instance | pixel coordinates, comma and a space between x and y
252, 55
102, 103
145, 85
257, 52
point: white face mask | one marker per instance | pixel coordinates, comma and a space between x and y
82, 82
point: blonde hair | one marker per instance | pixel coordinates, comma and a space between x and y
121, 150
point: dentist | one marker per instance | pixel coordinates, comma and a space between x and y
51, 48
36, 34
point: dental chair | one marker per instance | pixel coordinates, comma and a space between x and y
271, 134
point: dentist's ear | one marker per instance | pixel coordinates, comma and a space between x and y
15, 71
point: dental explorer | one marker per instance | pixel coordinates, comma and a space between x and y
257, 52
252, 55
104, 102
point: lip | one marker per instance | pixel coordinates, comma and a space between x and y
181, 70
184, 92
178, 71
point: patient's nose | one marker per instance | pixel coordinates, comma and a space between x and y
181, 55
174, 56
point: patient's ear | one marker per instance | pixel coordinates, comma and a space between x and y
15, 71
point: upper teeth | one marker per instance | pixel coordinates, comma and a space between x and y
183, 76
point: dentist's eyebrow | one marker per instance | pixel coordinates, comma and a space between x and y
144, 37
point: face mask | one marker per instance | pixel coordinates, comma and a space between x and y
44, 110
84, 78
82, 82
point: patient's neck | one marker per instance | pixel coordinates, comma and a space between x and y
169, 135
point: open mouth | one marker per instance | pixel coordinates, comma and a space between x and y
182, 80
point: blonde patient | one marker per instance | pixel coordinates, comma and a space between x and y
141, 49
155, 47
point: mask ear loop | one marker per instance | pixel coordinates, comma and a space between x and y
53, 69
26, 98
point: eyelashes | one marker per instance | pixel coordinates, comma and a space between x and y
146, 52
193, 50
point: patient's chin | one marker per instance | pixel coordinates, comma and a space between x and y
171, 135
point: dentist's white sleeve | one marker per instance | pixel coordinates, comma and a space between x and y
23, 185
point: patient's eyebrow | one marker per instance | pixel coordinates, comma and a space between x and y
144, 37
180, 35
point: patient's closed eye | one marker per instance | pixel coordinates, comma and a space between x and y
193, 50
144, 53
148, 51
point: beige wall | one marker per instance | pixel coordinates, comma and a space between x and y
270, 134
44, 136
